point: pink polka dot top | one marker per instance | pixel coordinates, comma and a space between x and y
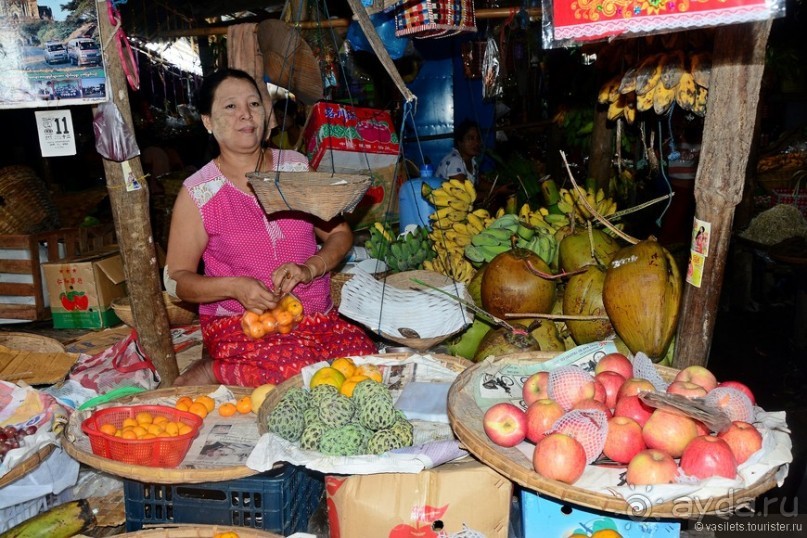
244, 241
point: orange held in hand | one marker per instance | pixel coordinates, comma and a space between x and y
281, 319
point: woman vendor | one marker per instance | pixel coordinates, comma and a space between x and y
461, 163
252, 259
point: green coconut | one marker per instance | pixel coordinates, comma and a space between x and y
583, 296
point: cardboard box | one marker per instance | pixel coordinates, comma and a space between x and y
544, 517
347, 139
442, 501
81, 290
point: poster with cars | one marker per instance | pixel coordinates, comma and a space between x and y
50, 54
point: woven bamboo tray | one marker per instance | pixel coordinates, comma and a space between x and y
321, 194
161, 475
339, 279
458, 364
179, 312
466, 421
34, 343
198, 531
29, 464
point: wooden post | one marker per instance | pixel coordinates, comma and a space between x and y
130, 210
738, 61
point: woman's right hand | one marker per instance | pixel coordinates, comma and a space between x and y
254, 295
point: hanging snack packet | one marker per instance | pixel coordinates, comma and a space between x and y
491, 80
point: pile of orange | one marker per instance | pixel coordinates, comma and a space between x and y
200, 406
243, 406
144, 425
281, 319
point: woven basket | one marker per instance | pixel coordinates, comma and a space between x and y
27, 206
339, 279
34, 343
321, 194
466, 417
403, 280
25, 466
179, 312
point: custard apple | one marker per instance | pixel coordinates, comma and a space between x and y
321, 392
347, 440
377, 413
368, 389
383, 441
404, 430
335, 412
286, 420
312, 434
298, 396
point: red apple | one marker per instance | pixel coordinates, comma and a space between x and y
535, 388
743, 440
703, 429
741, 387
541, 415
599, 392
611, 381
706, 456
624, 439
669, 432
505, 424
685, 388
650, 467
559, 457
633, 386
633, 407
698, 375
591, 403
733, 402
615, 362
568, 385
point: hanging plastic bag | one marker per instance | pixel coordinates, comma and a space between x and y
113, 138
123, 365
491, 79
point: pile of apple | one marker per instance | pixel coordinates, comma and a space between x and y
648, 440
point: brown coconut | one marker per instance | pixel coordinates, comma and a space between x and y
508, 285
583, 296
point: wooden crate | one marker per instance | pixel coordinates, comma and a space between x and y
22, 296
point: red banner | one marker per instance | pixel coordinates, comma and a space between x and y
588, 20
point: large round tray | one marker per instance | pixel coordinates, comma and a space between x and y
28, 464
458, 364
199, 531
162, 475
466, 421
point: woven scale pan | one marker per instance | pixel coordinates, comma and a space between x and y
143, 473
34, 343
465, 417
322, 194
27, 205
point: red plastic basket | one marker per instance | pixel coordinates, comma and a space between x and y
159, 452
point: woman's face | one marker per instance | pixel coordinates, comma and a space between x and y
471, 144
237, 117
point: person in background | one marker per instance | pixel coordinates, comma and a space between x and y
462, 163
287, 133
251, 259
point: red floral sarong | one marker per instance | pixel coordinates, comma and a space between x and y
240, 360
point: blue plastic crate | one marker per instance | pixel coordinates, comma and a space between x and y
280, 501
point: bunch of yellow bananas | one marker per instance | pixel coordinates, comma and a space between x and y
541, 218
658, 81
453, 200
449, 243
570, 203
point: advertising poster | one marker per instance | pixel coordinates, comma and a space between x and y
50, 56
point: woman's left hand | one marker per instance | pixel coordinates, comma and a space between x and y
288, 275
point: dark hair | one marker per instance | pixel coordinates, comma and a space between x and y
463, 129
211, 83
287, 106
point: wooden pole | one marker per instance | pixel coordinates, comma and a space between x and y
738, 61
130, 211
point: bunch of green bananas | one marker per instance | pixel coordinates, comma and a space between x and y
410, 251
507, 231
541, 218
658, 81
570, 203
400, 253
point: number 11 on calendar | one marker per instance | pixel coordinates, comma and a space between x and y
56, 136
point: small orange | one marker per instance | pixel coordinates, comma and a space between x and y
183, 403
155, 428
160, 419
244, 405
128, 434
249, 320
207, 401
344, 365
256, 332
284, 329
184, 428
139, 431
118, 433
198, 409
350, 384
284, 318
269, 323
227, 409
370, 370
144, 417
164, 434
147, 436
292, 305
172, 428
108, 429
128, 423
